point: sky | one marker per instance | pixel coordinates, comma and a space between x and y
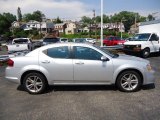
75, 9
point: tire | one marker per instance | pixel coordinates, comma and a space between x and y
34, 83
104, 45
146, 53
129, 81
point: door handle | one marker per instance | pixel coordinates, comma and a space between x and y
79, 63
45, 61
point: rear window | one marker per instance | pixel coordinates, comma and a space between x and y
21, 41
64, 40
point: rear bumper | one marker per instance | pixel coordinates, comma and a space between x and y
12, 75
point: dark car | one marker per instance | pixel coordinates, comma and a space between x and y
47, 41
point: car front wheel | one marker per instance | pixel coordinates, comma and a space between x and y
129, 81
34, 83
145, 53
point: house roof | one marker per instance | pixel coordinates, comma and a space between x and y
150, 22
60, 24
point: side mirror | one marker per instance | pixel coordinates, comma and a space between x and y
104, 58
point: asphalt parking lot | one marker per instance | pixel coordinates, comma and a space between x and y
81, 102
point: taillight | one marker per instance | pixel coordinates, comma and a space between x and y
10, 63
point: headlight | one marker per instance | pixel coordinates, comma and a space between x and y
138, 46
120, 43
149, 68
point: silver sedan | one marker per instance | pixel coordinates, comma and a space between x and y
78, 64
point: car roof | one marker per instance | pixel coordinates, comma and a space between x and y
57, 45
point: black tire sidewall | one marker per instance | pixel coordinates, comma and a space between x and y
143, 52
118, 82
38, 75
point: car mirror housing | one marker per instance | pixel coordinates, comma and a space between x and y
104, 58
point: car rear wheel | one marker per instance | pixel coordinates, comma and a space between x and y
34, 83
129, 81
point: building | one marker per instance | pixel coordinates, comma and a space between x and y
71, 28
150, 27
60, 27
15, 24
44, 27
119, 27
134, 28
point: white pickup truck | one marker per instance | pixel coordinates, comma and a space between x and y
20, 44
146, 41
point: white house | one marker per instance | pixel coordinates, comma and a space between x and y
71, 28
15, 24
44, 26
112, 26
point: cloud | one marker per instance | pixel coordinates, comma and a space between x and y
67, 9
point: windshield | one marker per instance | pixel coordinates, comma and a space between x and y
111, 54
52, 40
141, 37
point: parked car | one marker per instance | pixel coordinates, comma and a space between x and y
20, 44
112, 40
91, 40
78, 64
79, 40
63, 40
50, 40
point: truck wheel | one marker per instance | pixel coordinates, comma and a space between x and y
146, 53
104, 44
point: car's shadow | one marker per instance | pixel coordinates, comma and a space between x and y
150, 56
85, 88
148, 87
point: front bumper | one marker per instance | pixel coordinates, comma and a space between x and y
149, 77
131, 48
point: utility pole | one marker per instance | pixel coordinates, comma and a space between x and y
101, 23
135, 23
94, 17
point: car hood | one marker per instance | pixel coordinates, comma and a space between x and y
132, 58
134, 42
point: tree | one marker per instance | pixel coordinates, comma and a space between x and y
105, 19
19, 14
6, 20
150, 17
36, 15
128, 17
58, 20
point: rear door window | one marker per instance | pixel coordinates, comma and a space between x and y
59, 52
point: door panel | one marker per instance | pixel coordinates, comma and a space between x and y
59, 69
92, 71
88, 66
155, 42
